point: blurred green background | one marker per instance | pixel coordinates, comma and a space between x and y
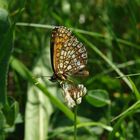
110, 30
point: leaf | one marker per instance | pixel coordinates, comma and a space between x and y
11, 111
135, 90
38, 105
6, 38
2, 125
98, 98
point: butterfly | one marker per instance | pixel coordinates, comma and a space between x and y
68, 58
68, 55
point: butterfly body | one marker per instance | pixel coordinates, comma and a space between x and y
68, 55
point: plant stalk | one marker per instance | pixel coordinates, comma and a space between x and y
75, 122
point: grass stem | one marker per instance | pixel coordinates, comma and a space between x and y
75, 122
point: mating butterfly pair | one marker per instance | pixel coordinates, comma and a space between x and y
68, 58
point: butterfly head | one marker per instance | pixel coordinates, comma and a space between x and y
58, 77
53, 78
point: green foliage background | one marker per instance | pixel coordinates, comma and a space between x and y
33, 108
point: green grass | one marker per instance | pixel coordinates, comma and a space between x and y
33, 108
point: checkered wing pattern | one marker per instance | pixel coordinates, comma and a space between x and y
69, 56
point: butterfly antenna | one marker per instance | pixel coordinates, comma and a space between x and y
41, 76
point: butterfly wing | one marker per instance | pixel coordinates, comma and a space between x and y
59, 36
73, 56
68, 55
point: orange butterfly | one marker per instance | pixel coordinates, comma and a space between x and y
68, 58
68, 55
